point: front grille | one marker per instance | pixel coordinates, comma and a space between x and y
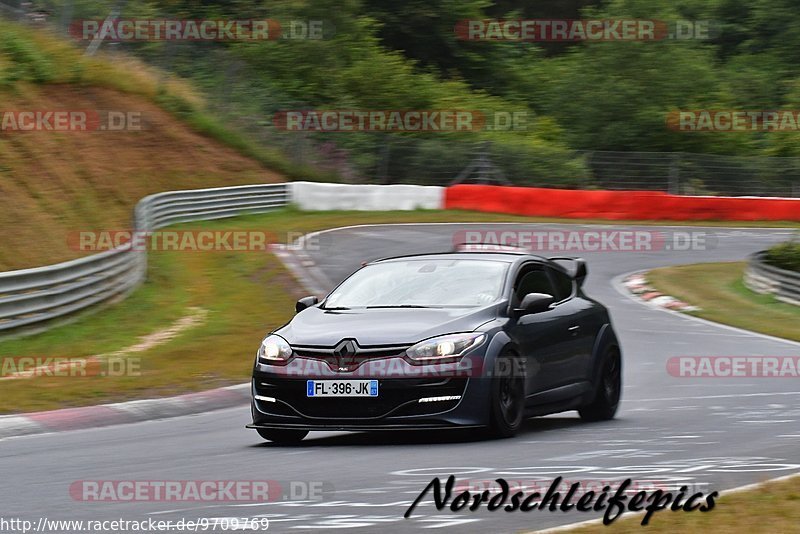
349, 361
396, 397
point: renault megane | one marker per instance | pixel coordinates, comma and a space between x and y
479, 339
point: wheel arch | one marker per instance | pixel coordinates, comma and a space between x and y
606, 338
500, 343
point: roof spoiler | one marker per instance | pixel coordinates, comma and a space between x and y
580, 272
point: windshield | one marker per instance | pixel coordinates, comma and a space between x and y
421, 283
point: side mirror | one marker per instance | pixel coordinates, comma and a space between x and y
535, 303
304, 303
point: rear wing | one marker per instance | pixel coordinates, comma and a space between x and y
579, 270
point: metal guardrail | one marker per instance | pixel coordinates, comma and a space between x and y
33, 297
764, 278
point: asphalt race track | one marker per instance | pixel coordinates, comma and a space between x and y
711, 433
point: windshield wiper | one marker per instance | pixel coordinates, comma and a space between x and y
336, 308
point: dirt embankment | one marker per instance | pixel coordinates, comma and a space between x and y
54, 183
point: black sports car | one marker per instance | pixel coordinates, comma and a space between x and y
460, 339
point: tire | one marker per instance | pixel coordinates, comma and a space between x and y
507, 396
609, 387
284, 437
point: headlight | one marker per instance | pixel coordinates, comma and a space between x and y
274, 349
444, 347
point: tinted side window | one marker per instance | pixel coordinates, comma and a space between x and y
563, 284
533, 281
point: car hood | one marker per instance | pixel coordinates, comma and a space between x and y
315, 326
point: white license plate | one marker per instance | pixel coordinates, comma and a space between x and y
341, 388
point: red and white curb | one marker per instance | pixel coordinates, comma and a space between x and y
124, 412
637, 285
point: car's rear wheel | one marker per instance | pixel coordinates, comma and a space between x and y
507, 396
609, 387
282, 436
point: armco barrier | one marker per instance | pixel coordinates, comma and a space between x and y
30, 297
764, 278
323, 196
618, 205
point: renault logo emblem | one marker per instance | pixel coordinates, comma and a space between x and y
345, 354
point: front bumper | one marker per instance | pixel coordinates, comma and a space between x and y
280, 401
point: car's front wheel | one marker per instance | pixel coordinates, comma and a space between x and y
281, 436
606, 399
507, 396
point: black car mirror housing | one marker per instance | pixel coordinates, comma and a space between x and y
534, 303
304, 303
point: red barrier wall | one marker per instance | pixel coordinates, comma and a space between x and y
635, 205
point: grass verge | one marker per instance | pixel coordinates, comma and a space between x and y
246, 294
774, 507
718, 289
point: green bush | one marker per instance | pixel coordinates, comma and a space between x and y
785, 255
23, 61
